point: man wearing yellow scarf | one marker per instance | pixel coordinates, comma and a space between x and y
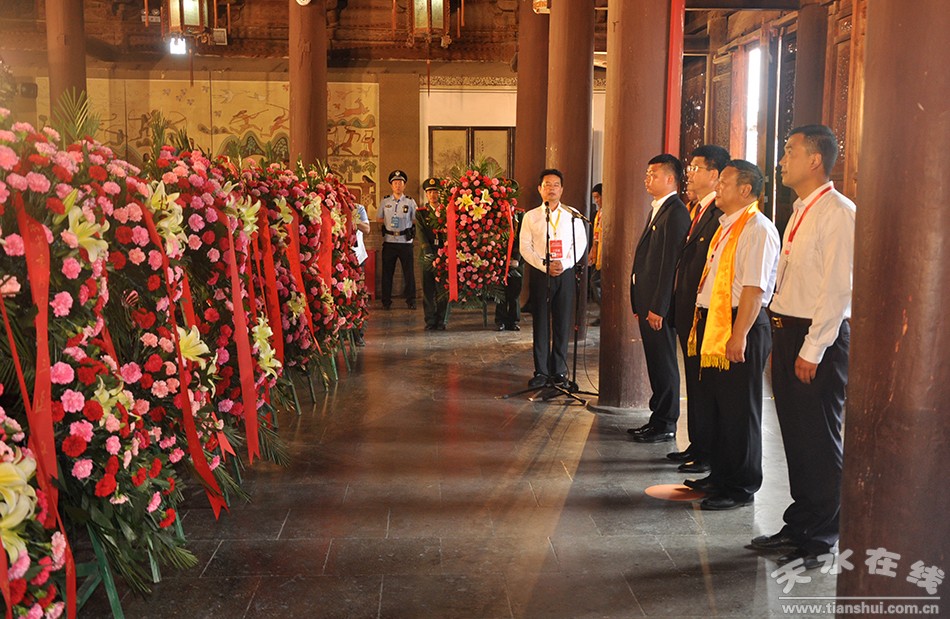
731, 334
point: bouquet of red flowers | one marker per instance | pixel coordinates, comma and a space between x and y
477, 222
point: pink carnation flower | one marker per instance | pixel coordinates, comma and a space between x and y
37, 182
140, 236
111, 188
82, 468
4, 192
61, 304
71, 268
130, 372
13, 245
154, 260
136, 256
196, 222
176, 455
155, 502
113, 445
8, 157
73, 401
82, 429
62, 373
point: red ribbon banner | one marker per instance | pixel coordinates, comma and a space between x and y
451, 248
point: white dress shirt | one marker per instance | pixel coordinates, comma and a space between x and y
815, 269
656, 204
756, 258
533, 236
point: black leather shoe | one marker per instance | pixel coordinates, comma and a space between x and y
696, 466
722, 502
499, 327
411, 305
703, 485
769, 542
538, 380
809, 560
430, 327
644, 428
654, 436
680, 456
440, 327
561, 380
513, 328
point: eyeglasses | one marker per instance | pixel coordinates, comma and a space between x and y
695, 168
550, 185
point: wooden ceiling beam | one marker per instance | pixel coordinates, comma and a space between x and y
742, 5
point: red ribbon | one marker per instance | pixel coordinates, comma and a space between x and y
293, 258
270, 291
511, 240
215, 496
38, 272
5, 580
39, 415
243, 343
451, 249
325, 254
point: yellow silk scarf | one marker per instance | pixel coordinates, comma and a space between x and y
719, 319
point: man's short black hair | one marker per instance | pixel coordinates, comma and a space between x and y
749, 174
598, 188
550, 172
716, 156
820, 139
671, 163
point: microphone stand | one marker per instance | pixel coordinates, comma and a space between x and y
550, 389
572, 384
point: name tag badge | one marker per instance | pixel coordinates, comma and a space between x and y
405, 208
556, 249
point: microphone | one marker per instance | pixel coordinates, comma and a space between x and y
576, 213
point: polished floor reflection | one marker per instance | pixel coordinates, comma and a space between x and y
415, 493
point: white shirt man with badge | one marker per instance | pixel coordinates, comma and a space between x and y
811, 335
552, 241
397, 214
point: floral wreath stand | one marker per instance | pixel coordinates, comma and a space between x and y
99, 573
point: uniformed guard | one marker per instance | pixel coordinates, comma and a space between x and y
435, 305
397, 214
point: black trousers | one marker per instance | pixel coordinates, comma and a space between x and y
810, 417
699, 419
436, 310
403, 253
659, 348
734, 398
550, 353
508, 311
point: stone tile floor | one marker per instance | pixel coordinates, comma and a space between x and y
415, 493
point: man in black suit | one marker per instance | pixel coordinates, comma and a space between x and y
702, 176
651, 294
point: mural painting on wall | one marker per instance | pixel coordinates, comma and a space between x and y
353, 137
224, 117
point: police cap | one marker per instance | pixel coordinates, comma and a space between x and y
398, 175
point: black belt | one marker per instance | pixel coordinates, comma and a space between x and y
784, 322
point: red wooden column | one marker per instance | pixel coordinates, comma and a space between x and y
812, 46
570, 108
532, 103
308, 81
897, 426
65, 48
637, 54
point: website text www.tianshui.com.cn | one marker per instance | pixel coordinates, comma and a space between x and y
862, 608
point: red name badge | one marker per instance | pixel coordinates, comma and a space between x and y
556, 249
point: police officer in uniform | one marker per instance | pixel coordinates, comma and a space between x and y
435, 306
397, 214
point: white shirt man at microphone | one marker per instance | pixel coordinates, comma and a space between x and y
552, 242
